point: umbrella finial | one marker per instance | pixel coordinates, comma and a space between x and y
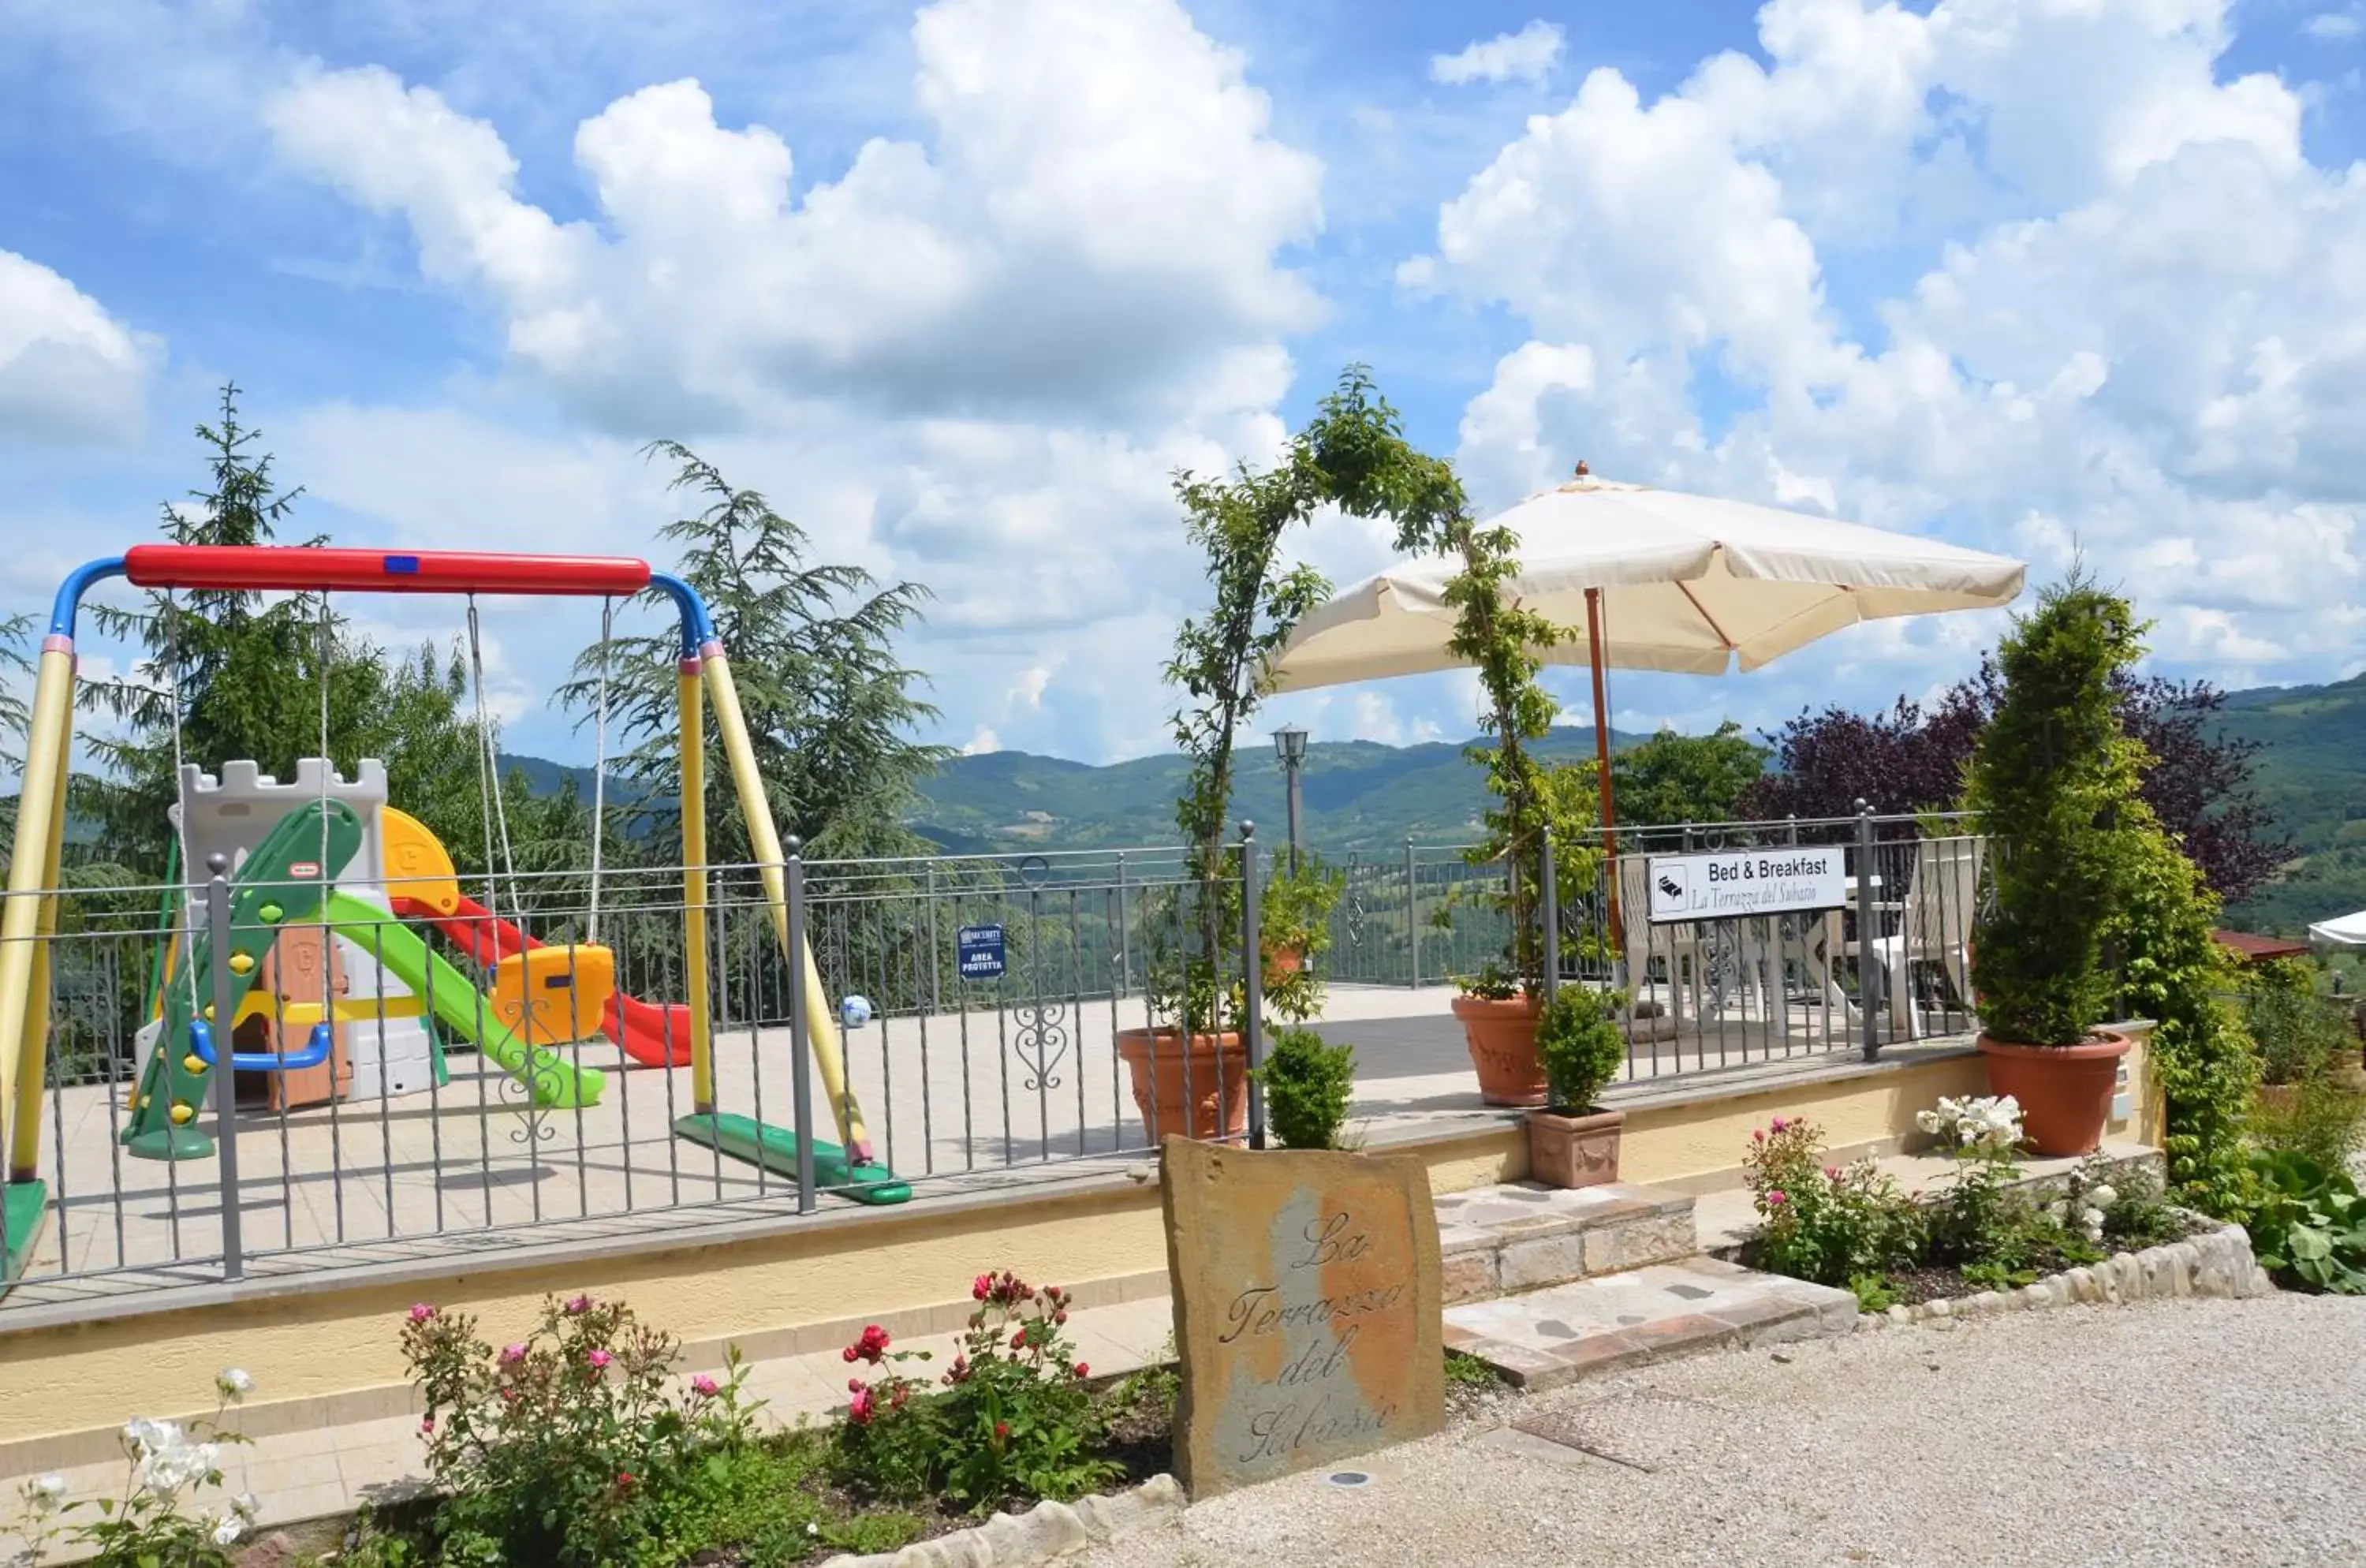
1582, 469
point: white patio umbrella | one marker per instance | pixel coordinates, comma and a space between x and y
2349, 930
1661, 581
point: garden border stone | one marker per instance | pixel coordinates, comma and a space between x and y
2218, 1263
1044, 1533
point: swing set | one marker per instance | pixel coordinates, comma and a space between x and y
538, 995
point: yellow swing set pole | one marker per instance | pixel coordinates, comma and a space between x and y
765, 840
24, 966
691, 697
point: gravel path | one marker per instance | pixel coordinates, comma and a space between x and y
2199, 1432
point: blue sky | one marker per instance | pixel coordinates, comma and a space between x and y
959, 285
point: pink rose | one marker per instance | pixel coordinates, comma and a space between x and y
858, 1409
599, 1359
1778, 1196
580, 1304
421, 1313
703, 1386
513, 1354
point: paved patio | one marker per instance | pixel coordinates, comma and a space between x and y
954, 1101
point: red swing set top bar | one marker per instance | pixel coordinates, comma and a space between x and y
380, 571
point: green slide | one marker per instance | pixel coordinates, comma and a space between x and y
556, 1081
776, 1148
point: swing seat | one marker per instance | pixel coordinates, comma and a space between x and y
555, 996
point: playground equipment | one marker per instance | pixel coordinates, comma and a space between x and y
422, 885
287, 885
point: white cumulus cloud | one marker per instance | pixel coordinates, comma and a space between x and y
1095, 222
69, 371
974, 358
1527, 55
2129, 321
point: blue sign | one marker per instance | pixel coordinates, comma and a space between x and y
979, 951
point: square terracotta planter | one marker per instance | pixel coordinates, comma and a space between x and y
1574, 1151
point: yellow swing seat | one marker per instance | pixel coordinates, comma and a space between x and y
554, 996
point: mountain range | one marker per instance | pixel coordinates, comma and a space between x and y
1363, 797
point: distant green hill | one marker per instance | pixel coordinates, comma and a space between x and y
1362, 795
2313, 776
1354, 794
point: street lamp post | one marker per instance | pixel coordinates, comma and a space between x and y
1289, 745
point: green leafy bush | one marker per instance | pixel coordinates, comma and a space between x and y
1820, 1222
2055, 780
1308, 1084
1013, 1417
2308, 1225
555, 1449
2321, 1119
2299, 1033
2171, 971
1581, 1045
1295, 915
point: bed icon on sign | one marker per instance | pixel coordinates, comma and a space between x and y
1671, 889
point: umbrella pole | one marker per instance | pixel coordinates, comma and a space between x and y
1602, 760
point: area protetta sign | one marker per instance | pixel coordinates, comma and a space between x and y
1747, 881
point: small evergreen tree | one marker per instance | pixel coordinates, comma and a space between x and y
246, 667
2056, 783
829, 707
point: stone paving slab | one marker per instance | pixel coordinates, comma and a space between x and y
1543, 1339
1522, 1237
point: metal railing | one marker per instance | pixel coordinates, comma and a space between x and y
395, 1146
1002, 995
1887, 960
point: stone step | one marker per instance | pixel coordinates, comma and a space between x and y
1522, 1237
1544, 1338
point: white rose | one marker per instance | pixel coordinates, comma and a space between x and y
46, 1493
247, 1505
2104, 1197
235, 1383
227, 1529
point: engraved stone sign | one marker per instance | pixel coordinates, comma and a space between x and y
1306, 1308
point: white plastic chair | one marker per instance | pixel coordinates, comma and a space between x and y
1936, 923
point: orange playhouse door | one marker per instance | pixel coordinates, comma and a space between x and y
550, 996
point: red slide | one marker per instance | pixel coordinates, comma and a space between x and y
652, 1036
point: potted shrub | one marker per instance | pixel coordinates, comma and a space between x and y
1294, 922
1308, 1083
2055, 780
1572, 1142
1191, 1067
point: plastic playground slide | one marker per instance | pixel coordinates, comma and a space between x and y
653, 1036
555, 1080
776, 1148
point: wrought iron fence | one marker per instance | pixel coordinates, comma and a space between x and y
431, 1123
1419, 918
1001, 1034
1884, 958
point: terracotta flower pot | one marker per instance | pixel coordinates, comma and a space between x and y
1502, 1040
2065, 1090
1202, 1092
1574, 1150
